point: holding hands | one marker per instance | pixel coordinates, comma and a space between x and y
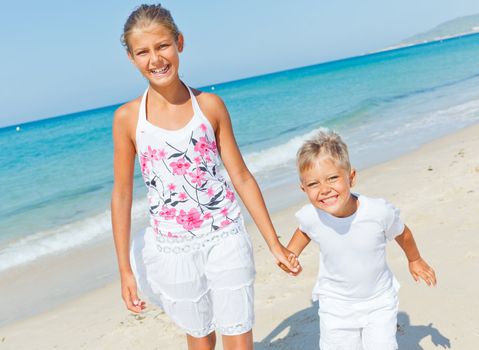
287, 260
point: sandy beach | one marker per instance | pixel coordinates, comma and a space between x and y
437, 189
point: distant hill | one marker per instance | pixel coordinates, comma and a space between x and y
456, 27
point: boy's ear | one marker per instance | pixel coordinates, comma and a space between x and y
301, 186
352, 177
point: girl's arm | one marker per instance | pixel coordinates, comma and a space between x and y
418, 268
121, 201
243, 181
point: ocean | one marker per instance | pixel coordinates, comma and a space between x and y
56, 174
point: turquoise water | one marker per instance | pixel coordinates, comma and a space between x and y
56, 174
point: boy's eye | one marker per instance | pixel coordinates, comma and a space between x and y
333, 178
140, 53
312, 184
164, 46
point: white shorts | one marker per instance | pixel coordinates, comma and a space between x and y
367, 325
202, 283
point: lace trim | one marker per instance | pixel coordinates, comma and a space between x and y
230, 330
169, 245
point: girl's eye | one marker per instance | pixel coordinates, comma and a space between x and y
164, 46
312, 184
141, 53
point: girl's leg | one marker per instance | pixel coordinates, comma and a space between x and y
238, 342
203, 343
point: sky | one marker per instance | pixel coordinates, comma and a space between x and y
60, 57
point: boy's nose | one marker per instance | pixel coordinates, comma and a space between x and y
324, 189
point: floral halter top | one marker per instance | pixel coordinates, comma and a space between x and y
187, 195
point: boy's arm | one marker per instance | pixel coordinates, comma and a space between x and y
297, 243
418, 268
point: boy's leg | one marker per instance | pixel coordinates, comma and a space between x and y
339, 328
380, 332
340, 339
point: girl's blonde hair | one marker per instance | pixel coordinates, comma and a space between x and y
324, 143
146, 15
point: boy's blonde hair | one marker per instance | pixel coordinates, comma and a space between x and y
324, 143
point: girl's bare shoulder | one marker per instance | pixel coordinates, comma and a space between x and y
126, 116
211, 105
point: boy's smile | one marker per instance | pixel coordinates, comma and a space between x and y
328, 187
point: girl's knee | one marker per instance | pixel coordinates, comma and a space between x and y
203, 343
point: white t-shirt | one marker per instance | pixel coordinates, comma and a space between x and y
353, 249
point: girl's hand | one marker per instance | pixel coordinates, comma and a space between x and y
286, 259
421, 270
129, 293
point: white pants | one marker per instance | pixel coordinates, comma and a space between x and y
203, 284
366, 325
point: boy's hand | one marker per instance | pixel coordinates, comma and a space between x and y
421, 270
293, 259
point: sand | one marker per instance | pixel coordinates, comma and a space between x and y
437, 189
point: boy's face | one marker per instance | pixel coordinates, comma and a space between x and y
328, 186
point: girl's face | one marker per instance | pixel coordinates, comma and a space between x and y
155, 53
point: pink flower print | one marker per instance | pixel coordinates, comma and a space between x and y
203, 127
197, 160
230, 195
182, 196
197, 177
180, 167
213, 147
207, 216
162, 154
224, 211
151, 154
171, 235
202, 146
171, 187
168, 213
208, 159
144, 165
189, 220
211, 192
225, 223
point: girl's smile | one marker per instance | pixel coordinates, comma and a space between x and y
155, 52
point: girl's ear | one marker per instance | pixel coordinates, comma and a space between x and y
130, 57
302, 187
352, 177
181, 42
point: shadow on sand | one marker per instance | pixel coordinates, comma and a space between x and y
409, 336
301, 331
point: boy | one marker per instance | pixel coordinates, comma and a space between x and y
357, 292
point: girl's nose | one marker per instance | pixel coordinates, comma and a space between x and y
155, 57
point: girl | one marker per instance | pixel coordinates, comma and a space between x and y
195, 259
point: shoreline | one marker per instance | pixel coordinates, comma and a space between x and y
435, 186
